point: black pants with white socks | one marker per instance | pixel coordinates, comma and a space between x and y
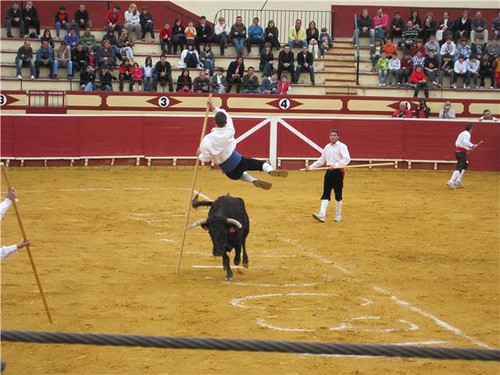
333, 180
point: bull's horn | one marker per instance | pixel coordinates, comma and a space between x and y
196, 223
234, 222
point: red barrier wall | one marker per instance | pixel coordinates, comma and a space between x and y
83, 136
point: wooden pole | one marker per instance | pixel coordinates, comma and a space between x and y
195, 174
28, 250
349, 166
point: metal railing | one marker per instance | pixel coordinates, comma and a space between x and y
283, 19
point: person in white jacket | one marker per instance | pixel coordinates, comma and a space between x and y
460, 70
133, 21
473, 71
4, 206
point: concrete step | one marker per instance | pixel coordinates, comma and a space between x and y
485, 94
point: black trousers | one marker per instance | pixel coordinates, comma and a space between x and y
246, 164
461, 161
334, 179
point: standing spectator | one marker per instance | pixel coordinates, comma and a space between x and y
326, 41
271, 35
463, 49
87, 79
72, 39
447, 112
462, 146
486, 70
147, 24
45, 57
178, 36
446, 69
448, 48
219, 82
460, 70
190, 34
382, 69
394, 67
422, 111
479, 26
255, 35
114, 19
30, 18
409, 38
403, 111
61, 20
125, 45
305, 64
201, 84
250, 82
184, 82
88, 40
207, 59
125, 73
495, 27
312, 38
132, 21
375, 53
106, 78
418, 81
82, 19
432, 45
381, 24
285, 62
266, 60
106, 55
445, 28
80, 58
14, 18
163, 74
473, 71
62, 59
221, 34
238, 36
365, 28
147, 74
47, 37
270, 84
429, 26
406, 69
235, 72
397, 26
431, 67
416, 22
136, 77
462, 27
24, 57
166, 38
203, 33
487, 116
297, 36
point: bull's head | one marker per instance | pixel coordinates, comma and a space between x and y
219, 228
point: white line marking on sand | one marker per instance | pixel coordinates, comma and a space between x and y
261, 322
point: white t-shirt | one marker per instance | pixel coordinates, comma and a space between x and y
219, 144
336, 155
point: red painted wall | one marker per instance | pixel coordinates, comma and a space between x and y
78, 136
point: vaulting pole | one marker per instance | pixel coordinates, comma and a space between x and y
349, 166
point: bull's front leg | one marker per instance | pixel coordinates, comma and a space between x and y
245, 256
237, 255
226, 265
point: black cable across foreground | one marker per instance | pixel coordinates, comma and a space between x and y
371, 350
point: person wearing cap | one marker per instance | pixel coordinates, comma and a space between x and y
10, 196
204, 33
114, 19
62, 59
61, 20
463, 146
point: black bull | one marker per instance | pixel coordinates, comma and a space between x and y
228, 226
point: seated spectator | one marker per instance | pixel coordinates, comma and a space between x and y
14, 19
92, 59
190, 58
106, 55
61, 20
326, 41
419, 46
136, 77
389, 48
255, 35
446, 69
190, 34
284, 87
163, 74
493, 48
72, 39
47, 37
132, 21
418, 59
235, 72
312, 38
272, 35
250, 82
479, 28
447, 112
486, 70
24, 57
409, 38
270, 84
473, 71
114, 19
397, 26
495, 27
221, 34
201, 84
432, 45
365, 28
266, 60
178, 37
375, 53
462, 26
418, 81
394, 67
44, 57
87, 79
147, 74
30, 19
382, 69
166, 38
381, 24
204, 34
431, 67
82, 19
305, 64
238, 35
403, 111
405, 70
89, 41
125, 45
429, 27
416, 21
125, 74
106, 78
80, 58
285, 62
496, 69
184, 83
463, 49
147, 24
477, 48
207, 59
444, 28
219, 82
460, 71
111, 38
62, 59
448, 48
422, 111
487, 116
297, 36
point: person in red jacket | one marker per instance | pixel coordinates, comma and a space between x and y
114, 19
403, 111
284, 86
166, 38
418, 80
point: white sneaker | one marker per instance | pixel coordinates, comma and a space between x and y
19, 77
318, 216
459, 184
451, 185
338, 218
32, 77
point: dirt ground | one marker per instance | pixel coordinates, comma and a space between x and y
411, 263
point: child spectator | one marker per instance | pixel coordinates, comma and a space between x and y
432, 45
114, 19
87, 79
419, 58
125, 73
463, 49
219, 82
473, 71
390, 48
166, 38
61, 20
178, 37
460, 70
92, 59
201, 84
270, 84
147, 74
190, 34
326, 41
72, 39
419, 46
284, 87
394, 67
405, 70
382, 69
184, 83
375, 53
82, 19
271, 34
136, 80
147, 24
250, 82
418, 81
207, 59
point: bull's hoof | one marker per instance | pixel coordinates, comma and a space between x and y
224, 267
228, 278
237, 262
245, 264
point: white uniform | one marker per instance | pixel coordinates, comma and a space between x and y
219, 144
5, 251
336, 155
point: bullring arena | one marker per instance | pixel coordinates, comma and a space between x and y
103, 185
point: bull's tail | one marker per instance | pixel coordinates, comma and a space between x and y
196, 203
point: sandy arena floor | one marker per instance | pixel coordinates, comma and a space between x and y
413, 262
